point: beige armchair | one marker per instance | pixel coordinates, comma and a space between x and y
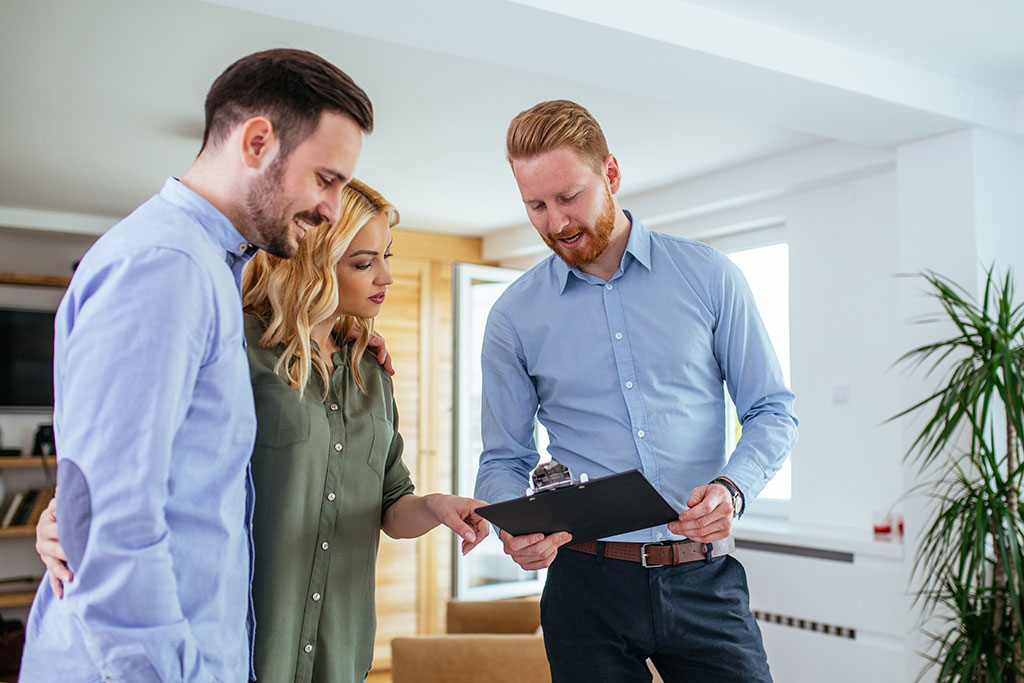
486, 642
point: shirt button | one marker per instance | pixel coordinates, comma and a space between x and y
334, 406
330, 496
608, 287
242, 247
324, 545
338, 447
629, 385
618, 335
316, 596
661, 535
640, 433
308, 648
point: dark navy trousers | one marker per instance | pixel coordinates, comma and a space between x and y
603, 618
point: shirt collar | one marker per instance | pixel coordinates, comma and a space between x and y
220, 229
638, 246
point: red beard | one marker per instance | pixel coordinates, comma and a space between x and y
600, 234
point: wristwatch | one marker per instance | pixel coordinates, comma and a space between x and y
737, 495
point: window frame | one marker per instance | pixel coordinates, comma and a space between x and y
464, 356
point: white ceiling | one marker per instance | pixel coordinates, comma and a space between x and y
102, 100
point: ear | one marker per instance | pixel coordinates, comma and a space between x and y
611, 173
258, 140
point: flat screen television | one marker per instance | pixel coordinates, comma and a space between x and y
26, 359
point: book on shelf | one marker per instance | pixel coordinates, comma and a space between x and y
42, 500
25, 509
11, 508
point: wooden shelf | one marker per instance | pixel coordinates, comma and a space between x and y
33, 280
19, 598
18, 531
27, 461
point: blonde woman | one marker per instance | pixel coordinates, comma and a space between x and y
327, 464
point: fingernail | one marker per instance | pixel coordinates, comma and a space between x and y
469, 536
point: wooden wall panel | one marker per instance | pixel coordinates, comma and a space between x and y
414, 577
400, 324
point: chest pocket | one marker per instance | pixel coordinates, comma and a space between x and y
282, 418
383, 434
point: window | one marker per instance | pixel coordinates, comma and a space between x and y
487, 573
767, 271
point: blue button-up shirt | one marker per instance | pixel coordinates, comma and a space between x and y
628, 374
154, 422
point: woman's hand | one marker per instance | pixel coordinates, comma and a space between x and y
50, 551
459, 515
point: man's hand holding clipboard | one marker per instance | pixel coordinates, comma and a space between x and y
535, 526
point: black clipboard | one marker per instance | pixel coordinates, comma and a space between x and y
597, 509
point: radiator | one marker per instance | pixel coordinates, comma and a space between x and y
828, 615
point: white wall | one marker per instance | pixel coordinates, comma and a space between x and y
842, 314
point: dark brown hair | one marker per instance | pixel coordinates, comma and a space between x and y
292, 88
553, 124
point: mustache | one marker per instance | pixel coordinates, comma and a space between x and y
311, 217
568, 232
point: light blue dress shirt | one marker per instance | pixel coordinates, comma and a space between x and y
628, 374
155, 423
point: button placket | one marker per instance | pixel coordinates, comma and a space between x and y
624, 367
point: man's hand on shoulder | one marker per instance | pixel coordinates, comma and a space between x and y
709, 517
380, 350
376, 346
534, 551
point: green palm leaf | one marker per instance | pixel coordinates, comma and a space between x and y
970, 561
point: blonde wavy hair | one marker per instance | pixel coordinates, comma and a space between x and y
292, 296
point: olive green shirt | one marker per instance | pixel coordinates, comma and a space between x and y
325, 471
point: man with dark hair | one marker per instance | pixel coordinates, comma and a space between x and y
618, 343
154, 412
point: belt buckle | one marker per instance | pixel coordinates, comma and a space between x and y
643, 556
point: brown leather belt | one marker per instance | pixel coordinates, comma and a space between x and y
662, 554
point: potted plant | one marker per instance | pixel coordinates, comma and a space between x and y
971, 556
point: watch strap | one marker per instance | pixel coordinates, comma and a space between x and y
739, 502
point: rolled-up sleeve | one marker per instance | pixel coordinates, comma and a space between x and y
133, 337
397, 482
